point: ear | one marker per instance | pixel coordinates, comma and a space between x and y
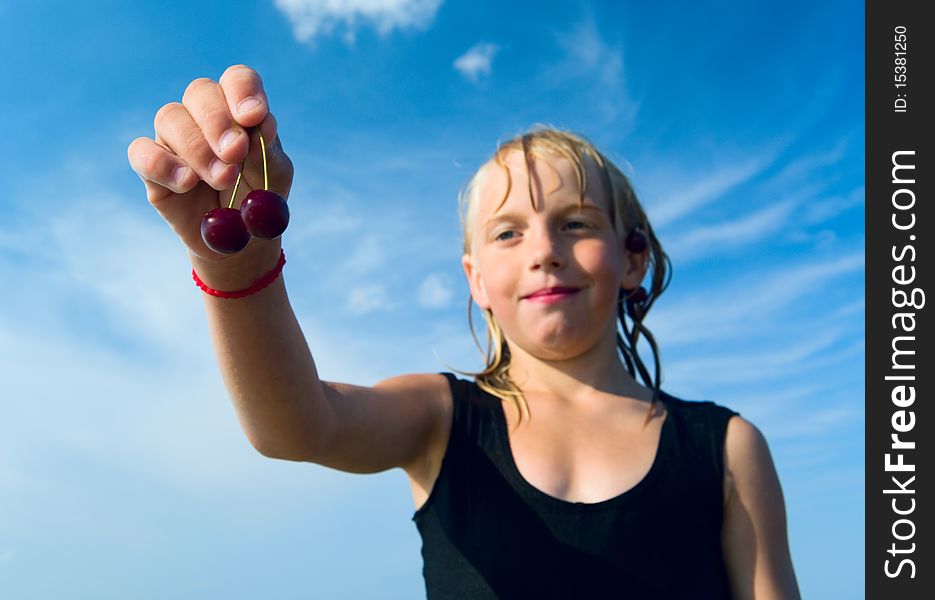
475, 281
634, 269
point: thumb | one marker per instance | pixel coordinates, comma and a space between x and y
278, 171
282, 171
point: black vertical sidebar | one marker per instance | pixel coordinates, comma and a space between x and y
900, 369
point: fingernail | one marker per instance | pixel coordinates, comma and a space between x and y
178, 174
217, 167
229, 136
247, 104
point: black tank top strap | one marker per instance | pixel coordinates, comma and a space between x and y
701, 428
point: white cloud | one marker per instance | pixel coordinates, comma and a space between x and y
141, 274
435, 291
804, 168
828, 208
310, 18
687, 198
129, 273
705, 241
730, 309
816, 423
588, 50
476, 62
594, 65
367, 298
855, 307
367, 256
790, 410
106, 337
330, 220
762, 365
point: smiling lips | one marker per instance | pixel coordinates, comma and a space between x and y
552, 294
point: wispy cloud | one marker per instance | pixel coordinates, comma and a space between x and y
824, 209
366, 256
587, 49
793, 410
311, 18
364, 299
147, 401
771, 403
804, 167
705, 241
722, 312
594, 64
331, 219
768, 363
435, 291
126, 271
854, 307
816, 422
476, 62
144, 284
682, 199
100, 406
801, 208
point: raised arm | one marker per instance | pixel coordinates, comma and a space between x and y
754, 539
286, 411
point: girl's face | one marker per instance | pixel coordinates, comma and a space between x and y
518, 250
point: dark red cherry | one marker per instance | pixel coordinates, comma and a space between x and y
265, 214
223, 230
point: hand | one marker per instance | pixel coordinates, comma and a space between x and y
192, 164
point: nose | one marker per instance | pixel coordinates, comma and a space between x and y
545, 250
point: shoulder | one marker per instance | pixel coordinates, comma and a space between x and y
436, 391
754, 537
745, 445
432, 389
748, 464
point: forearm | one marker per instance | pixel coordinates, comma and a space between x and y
264, 360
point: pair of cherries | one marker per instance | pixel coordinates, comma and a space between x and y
263, 214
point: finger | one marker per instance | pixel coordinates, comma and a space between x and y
205, 102
246, 98
279, 166
156, 165
177, 130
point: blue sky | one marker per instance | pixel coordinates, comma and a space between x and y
123, 470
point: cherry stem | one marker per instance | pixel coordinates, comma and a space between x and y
237, 183
240, 173
263, 149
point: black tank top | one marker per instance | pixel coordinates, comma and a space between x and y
488, 533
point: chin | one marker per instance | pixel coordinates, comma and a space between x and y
561, 347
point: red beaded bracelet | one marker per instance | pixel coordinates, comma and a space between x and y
257, 285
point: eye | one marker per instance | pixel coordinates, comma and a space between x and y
586, 225
500, 235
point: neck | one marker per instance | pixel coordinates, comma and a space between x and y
579, 379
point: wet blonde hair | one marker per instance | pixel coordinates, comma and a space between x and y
626, 216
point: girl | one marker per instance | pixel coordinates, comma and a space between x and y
554, 473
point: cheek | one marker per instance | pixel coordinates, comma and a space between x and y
500, 288
602, 260
493, 280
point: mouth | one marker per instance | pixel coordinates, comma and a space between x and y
552, 294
